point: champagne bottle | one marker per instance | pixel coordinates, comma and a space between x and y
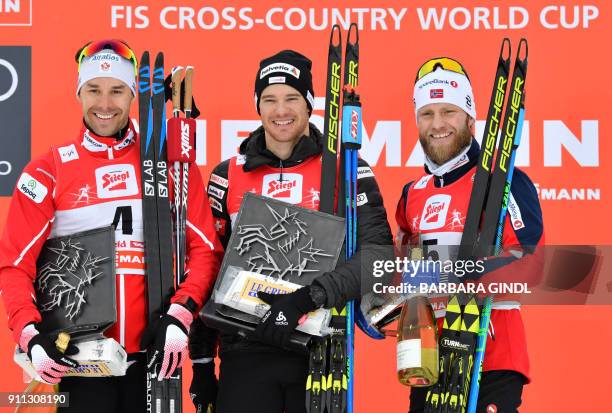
417, 341
38, 387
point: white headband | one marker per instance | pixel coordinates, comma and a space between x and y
444, 86
107, 63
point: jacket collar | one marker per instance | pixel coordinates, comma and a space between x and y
455, 168
109, 146
256, 153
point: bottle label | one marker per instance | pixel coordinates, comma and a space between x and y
408, 354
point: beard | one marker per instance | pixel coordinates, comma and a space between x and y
440, 154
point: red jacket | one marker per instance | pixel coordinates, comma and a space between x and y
80, 186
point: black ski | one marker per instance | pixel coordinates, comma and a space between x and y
485, 159
162, 396
490, 241
316, 384
331, 123
148, 154
504, 163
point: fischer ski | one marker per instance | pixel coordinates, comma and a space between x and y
331, 122
316, 382
490, 241
458, 385
329, 383
457, 344
485, 158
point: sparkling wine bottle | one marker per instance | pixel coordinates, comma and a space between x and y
417, 341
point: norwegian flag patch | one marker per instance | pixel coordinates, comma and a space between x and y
436, 93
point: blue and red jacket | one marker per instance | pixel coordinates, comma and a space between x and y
432, 210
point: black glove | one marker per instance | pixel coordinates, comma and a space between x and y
168, 94
203, 389
282, 318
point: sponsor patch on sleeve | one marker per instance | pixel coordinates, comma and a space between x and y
222, 182
32, 188
362, 199
364, 172
215, 204
216, 192
515, 214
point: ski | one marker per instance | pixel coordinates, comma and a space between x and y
501, 178
457, 344
164, 217
162, 396
485, 158
490, 241
317, 380
148, 153
331, 122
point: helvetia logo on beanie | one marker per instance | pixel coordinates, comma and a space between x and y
280, 67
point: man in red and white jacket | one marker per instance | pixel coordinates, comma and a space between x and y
92, 181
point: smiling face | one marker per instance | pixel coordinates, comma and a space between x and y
444, 131
284, 114
106, 105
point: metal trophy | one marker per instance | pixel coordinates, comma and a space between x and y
75, 294
277, 248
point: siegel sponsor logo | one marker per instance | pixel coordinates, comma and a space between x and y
115, 181
289, 189
435, 212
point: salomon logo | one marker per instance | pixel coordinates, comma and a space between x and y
281, 320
